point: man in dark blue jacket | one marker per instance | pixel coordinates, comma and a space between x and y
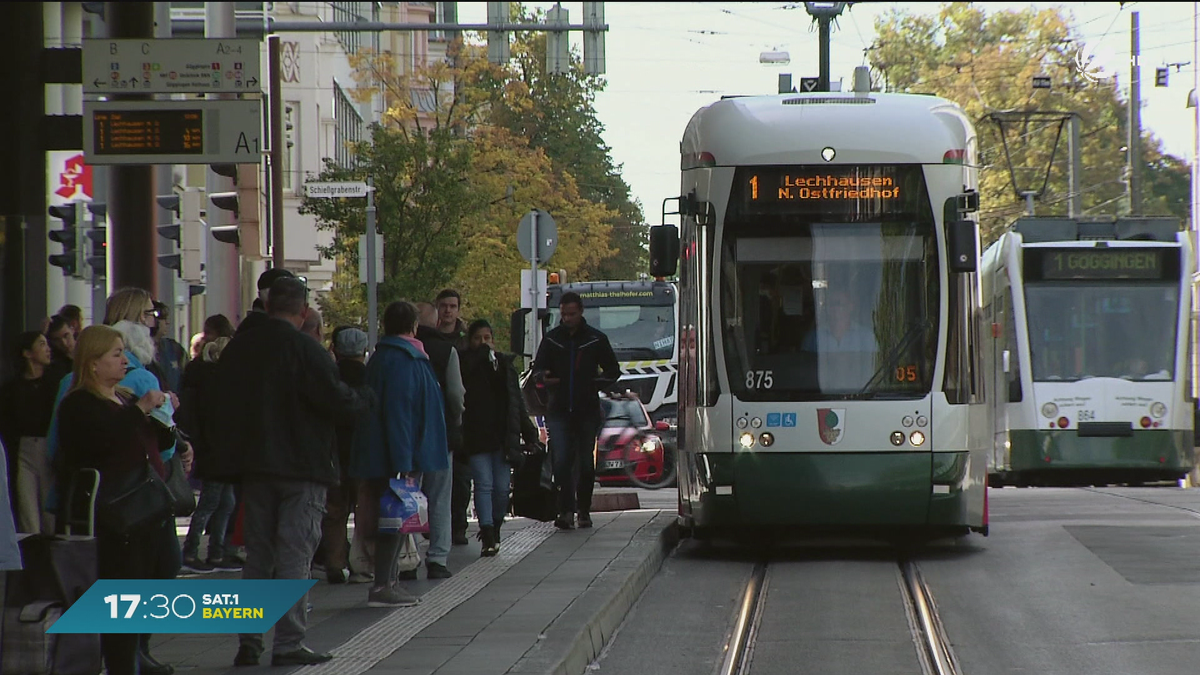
577, 363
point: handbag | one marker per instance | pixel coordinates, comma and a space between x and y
134, 501
182, 497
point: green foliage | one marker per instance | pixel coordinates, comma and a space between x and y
556, 113
985, 62
423, 195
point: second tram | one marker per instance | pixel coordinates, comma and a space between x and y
1092, 359
829, 316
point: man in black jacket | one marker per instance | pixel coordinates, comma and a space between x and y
279, 400
577, 363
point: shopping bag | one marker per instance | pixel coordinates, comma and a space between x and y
410, 556
403, 507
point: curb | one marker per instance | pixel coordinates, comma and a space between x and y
605, 606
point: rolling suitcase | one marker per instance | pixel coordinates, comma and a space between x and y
58, 569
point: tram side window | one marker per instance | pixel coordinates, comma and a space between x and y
1015, 395
957, 383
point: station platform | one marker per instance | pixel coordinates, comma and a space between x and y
547, 603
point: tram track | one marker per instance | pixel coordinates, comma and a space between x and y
934, 651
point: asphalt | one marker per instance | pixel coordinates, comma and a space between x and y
547, 603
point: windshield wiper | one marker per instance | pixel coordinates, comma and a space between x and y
894, 356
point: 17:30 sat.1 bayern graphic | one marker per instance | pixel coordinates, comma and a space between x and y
182, 605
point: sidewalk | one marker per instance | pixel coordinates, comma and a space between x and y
545, 604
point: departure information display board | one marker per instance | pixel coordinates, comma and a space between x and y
146, 132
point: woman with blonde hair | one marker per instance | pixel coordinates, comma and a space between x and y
107, 428
131, 313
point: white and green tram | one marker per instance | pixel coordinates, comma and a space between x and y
1092, 356
829, 316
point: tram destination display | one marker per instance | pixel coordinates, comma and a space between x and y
848, 190
1102, 264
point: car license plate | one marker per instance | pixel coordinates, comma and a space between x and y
612, 464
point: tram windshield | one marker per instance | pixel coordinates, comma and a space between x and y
837, 311
1081, 330
636, 332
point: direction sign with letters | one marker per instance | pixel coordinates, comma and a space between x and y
172, 132
171, 66
332, 190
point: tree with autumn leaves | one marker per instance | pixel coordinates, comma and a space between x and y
985, 62
466, 148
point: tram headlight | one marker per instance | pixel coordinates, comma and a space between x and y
746, 440
1049, 410
917, 438
756, 422
907, 422
742, 422
1158, 410
897, 438
767, 439
922, 421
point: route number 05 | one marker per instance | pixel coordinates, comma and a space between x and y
760, 379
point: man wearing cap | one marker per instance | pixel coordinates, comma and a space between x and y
281, 400
255, 317
350, 351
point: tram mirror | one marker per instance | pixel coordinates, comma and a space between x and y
1004, 360
516, 332
664, 250
961, 245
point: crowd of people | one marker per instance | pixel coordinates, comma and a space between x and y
288, 436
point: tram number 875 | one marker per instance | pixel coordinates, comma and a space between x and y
760, 379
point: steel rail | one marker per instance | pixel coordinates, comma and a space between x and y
928, 631
745, 627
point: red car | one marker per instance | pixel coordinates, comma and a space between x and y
629, 449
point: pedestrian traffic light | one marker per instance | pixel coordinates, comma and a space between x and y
170, 230
1160, 76
97, 234
70, 236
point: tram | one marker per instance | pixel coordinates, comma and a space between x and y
830, 370
1092, 360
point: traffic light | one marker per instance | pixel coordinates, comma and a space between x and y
97, 234
226, 201
243, 203
70, 236
170, 230
1160, 77
191, 235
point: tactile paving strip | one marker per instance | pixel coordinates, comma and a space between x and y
384, 637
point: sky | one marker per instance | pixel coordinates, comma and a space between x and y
667, 60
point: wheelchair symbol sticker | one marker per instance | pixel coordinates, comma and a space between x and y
789, 419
